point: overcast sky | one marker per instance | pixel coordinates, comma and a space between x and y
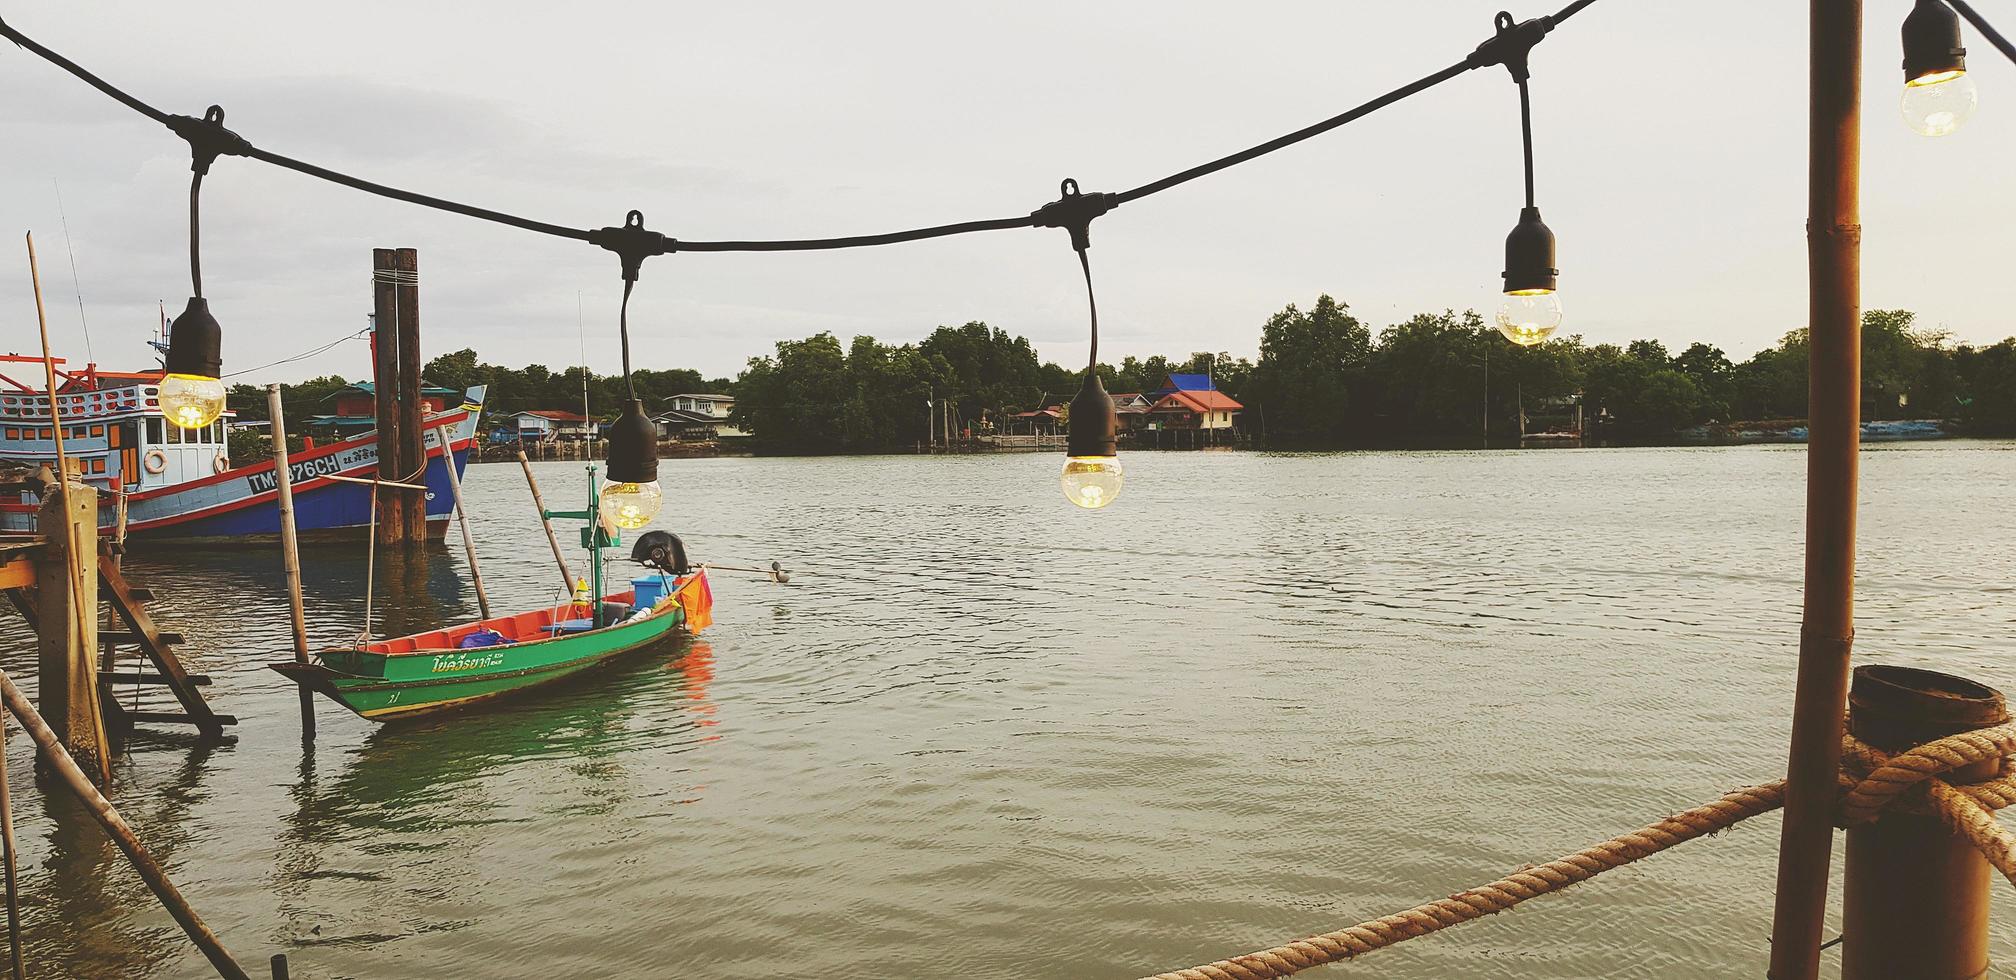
1671, 144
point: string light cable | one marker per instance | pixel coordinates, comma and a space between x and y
1092, 475
207, 135
1987, 30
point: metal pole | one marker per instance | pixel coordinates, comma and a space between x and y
1827, 632
121, 833
462, 517
7, 838
1916, 899
596, 527
290, 553
566, 577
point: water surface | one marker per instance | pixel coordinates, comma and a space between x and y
993, 736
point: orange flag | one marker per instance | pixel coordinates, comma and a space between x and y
696, 600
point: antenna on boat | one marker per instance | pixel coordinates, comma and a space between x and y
74, 284
581, 330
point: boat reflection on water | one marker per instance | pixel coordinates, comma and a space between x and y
77, 914
402, 838
697, 667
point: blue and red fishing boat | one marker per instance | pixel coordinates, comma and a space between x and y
180, 484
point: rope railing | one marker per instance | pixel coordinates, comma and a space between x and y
1872, 781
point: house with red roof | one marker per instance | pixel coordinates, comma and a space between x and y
1190, 401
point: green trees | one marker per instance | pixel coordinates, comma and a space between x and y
812, 396
1321, 379
1312, 365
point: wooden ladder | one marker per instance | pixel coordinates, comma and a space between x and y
156, 646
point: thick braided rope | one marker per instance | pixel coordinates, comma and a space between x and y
1888, 780
1495, 897
1969, 818
1967, 809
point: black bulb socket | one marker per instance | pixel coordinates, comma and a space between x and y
195, 342
633, 446
1932, 41
1529, 255
1094, 426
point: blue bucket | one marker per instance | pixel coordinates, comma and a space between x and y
649, 590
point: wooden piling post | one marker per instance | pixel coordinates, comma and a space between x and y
462, 518
1826, 634
68, 580
566, 577
290, 554
1916, 899
412, 431
391, 524
67, 583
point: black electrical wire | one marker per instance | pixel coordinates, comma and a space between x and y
73, 68
623, 329
1988, 31
1476, 60
1092, 301
858, 241
1420, 85
424, 200
1526, 136
1571, 10
195, 235
7, 31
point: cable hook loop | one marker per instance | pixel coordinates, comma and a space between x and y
208, 139
1074, 211
1511, 44
633, 243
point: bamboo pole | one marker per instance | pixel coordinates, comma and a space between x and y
1827, 632
462, 518
290, 552
73, 555
7, 839
102, 811
566, 577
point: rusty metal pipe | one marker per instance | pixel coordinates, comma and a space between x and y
1916, 900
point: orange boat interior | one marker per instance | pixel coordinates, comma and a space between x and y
520, 628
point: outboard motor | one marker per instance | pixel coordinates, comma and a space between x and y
661, 550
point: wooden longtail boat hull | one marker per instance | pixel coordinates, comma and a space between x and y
382, 682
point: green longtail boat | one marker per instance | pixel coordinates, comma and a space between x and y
473, 662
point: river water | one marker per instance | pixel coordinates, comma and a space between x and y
983, 734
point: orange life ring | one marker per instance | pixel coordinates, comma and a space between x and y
220, 464
154, 462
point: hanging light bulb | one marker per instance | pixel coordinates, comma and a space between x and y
1939, 95
191, 394
1531, 309
632, 496
1092, 475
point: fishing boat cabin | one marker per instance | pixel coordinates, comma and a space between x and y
112, 425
